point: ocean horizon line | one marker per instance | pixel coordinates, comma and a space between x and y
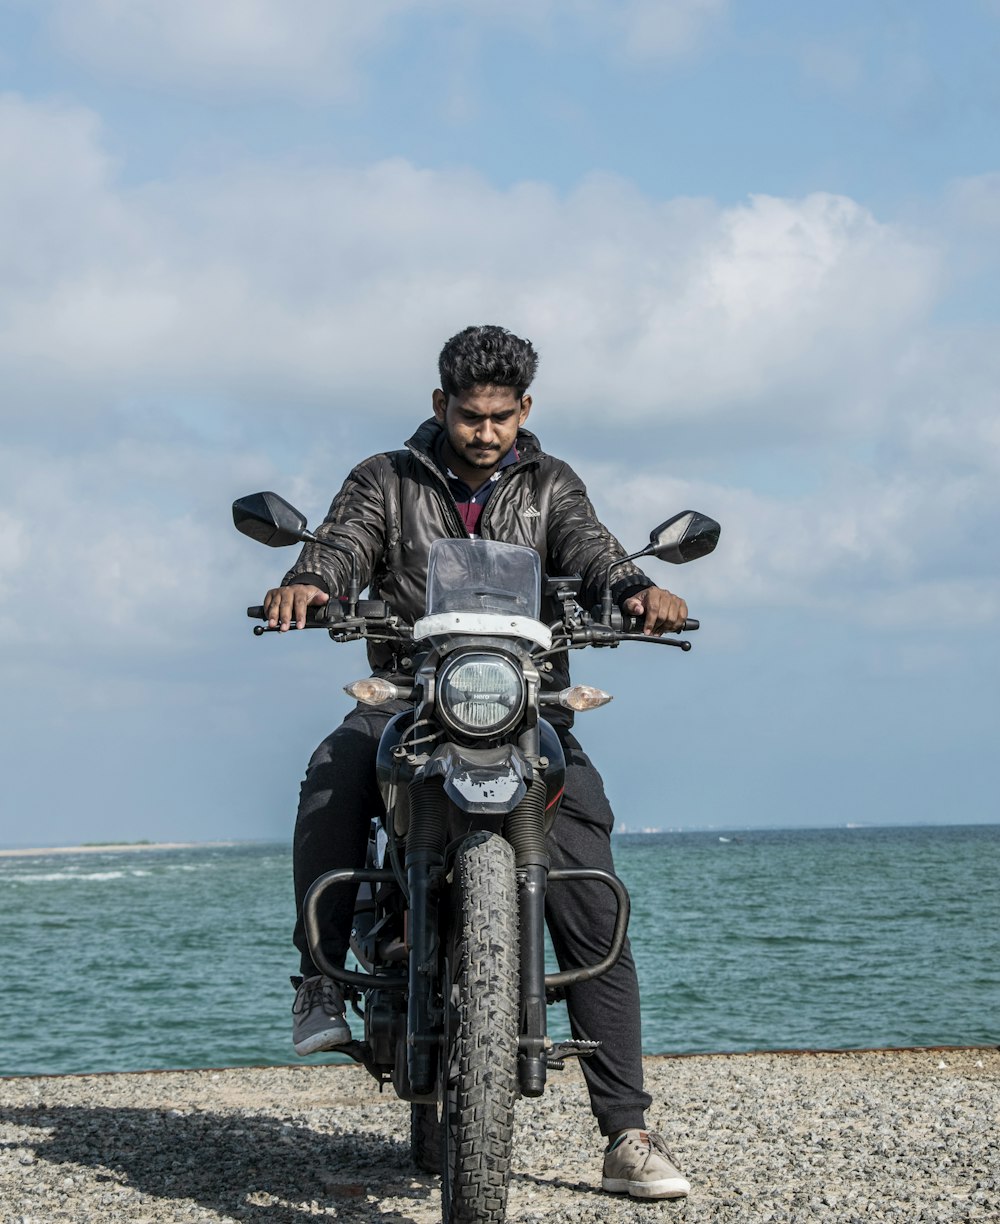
18, 850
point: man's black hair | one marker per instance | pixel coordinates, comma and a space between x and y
487, 356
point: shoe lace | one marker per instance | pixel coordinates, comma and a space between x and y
657, 1143
319, 991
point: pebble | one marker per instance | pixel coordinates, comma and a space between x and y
893, 1135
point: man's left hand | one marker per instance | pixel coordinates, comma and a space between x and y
660, 610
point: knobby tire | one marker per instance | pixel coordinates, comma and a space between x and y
480, 1071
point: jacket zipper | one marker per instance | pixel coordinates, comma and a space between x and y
463, 533
447, 501
504, 480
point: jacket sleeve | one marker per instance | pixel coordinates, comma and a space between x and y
355, 520
579, 543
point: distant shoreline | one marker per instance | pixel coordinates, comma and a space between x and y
111, 848
741, 832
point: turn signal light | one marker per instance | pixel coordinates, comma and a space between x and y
583, 697
373, 691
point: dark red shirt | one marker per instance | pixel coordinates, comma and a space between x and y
468, 502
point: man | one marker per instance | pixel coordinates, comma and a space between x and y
474, 469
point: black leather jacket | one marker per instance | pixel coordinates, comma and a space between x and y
394, 505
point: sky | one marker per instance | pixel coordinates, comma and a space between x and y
756, 246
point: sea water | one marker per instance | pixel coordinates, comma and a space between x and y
784, 939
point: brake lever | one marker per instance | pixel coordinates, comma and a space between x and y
657, 641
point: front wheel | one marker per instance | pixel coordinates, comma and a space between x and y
480, 1072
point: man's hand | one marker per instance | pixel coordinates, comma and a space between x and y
284, 606
661, 610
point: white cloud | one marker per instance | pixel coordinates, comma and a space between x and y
837, 66
13, 546
776, 301
300, 47
648, 30
275, 292
899, 550
948, 403
122, 548
58, 213
945, 611
976, 201
314, 48
653, 29
271, 280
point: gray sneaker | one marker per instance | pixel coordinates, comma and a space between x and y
639, 1164
318, 1016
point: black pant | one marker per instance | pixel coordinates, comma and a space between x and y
338, 798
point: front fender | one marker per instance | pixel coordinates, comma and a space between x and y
481, 781
449, 758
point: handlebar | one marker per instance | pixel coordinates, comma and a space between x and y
622, 629
333, 616
325, 615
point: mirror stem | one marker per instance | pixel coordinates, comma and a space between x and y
606, 604
354, 594
606, 601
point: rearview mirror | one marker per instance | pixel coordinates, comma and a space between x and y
685, 537
269, 519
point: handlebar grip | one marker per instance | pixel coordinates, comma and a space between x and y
325, 614
633, 624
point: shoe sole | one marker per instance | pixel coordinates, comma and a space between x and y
668, 1187
328, 1039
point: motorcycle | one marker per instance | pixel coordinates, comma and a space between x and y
448, 927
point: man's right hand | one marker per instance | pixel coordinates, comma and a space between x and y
285, 606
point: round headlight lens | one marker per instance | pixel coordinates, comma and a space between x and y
480, 694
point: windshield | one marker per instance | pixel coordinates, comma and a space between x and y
483, 576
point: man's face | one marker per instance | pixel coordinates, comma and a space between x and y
481, 424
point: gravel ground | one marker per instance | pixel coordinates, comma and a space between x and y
888, 1135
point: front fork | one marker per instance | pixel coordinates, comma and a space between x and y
524, 828
531, 1067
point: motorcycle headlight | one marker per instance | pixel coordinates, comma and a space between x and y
480, 694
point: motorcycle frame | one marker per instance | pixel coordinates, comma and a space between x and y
422, 880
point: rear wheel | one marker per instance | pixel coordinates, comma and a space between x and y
480, 1072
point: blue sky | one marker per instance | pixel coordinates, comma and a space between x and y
757, 248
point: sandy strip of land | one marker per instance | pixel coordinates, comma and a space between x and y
902, 1135
109, 848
